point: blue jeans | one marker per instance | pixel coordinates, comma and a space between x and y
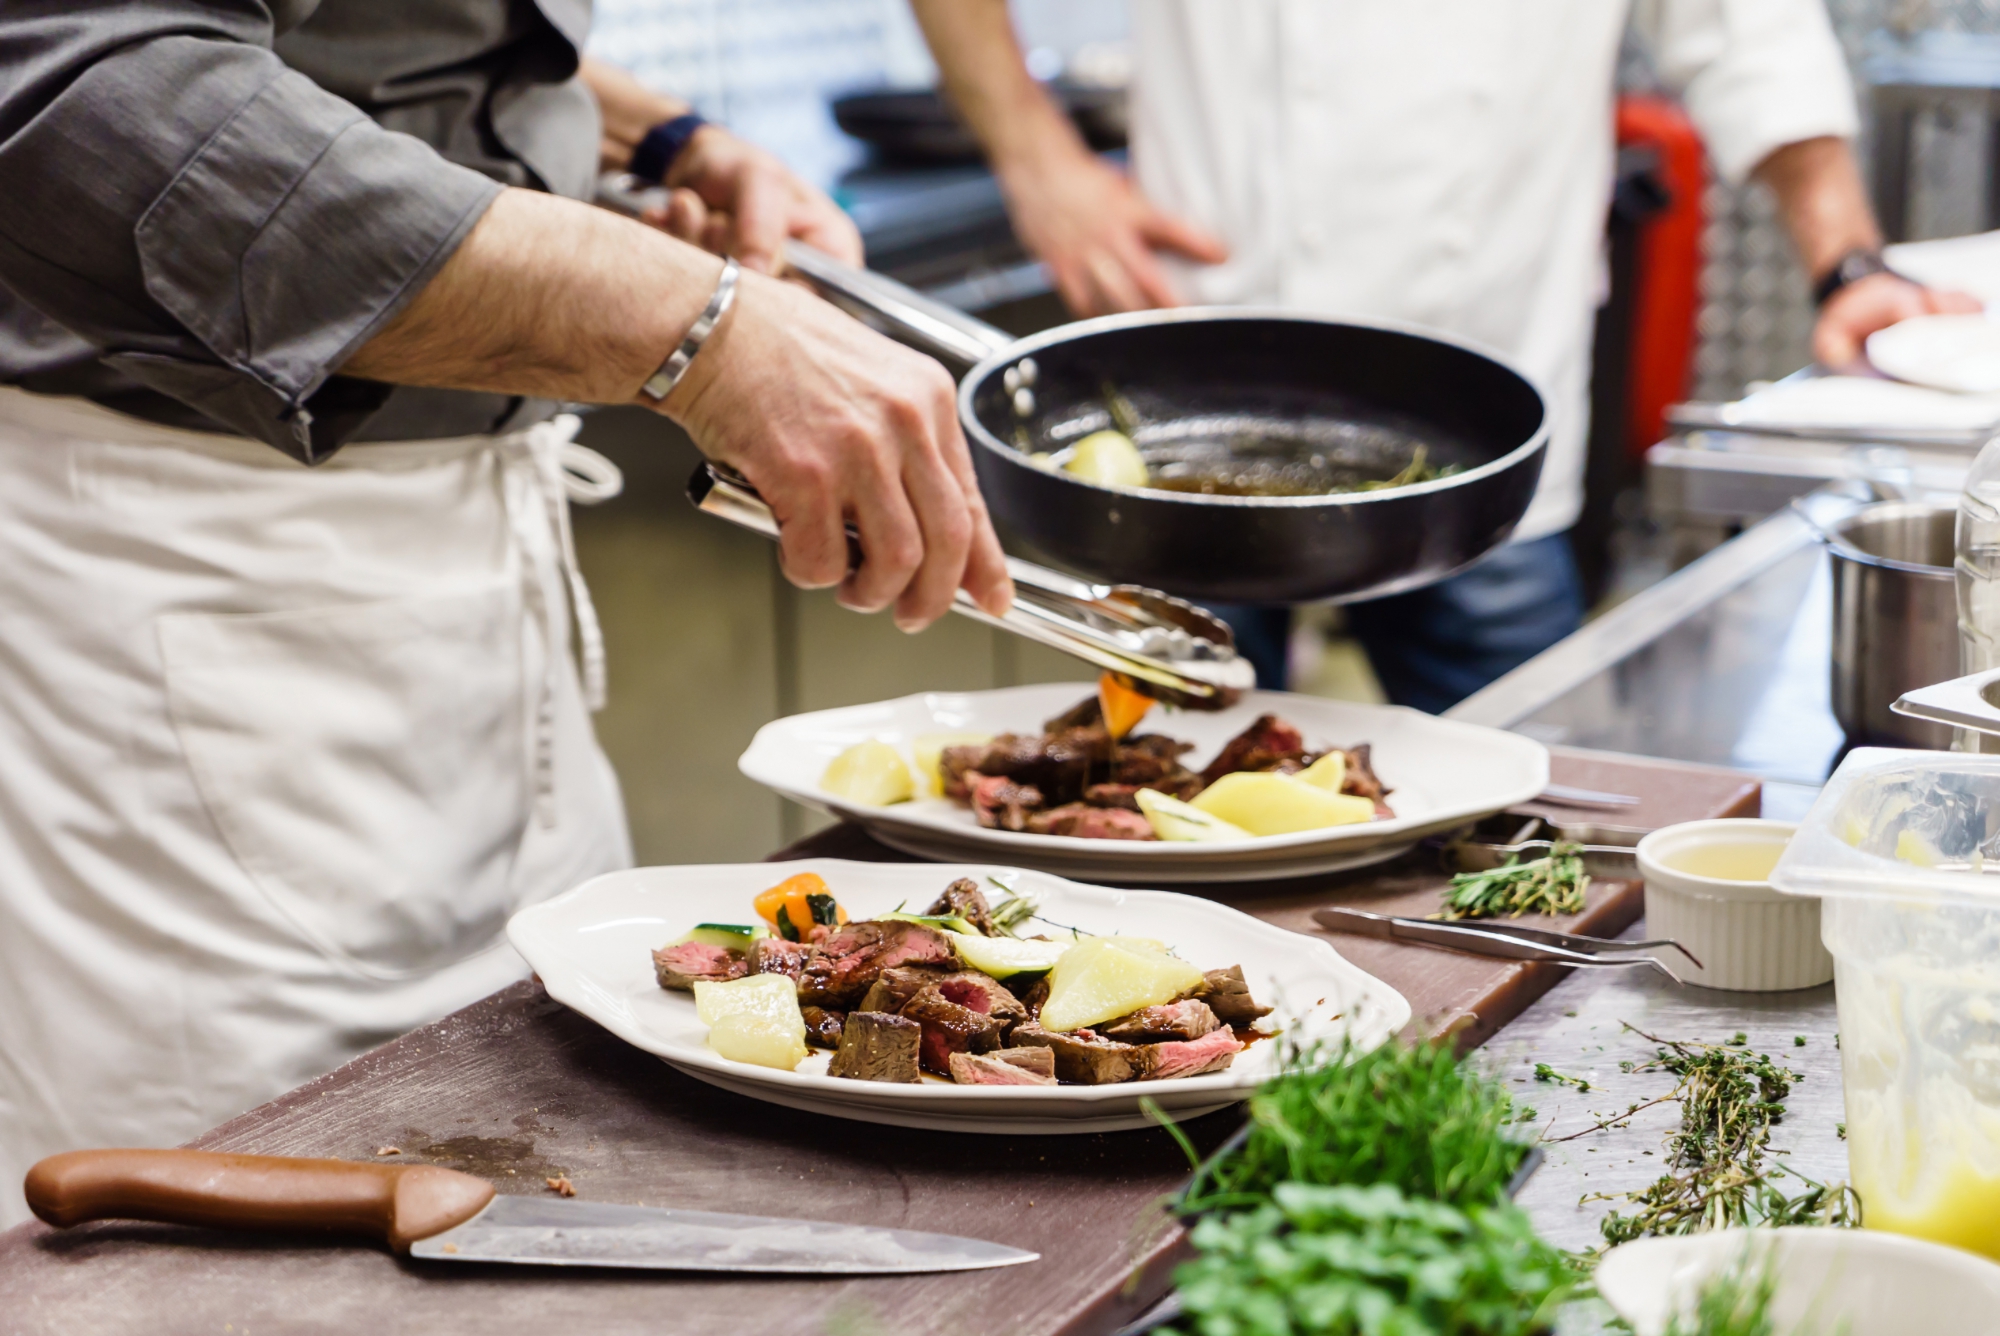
1433, 647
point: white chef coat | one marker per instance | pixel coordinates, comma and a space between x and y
280, 751
1449, 162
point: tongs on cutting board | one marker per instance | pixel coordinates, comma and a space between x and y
1508, 941
1177, 652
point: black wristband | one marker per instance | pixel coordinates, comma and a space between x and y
1852, 267
655, 155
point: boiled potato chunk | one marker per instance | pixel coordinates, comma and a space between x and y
1173, 819
927, 749
871, 773
1102, 978
754, 1019
1109, 459
1328, 772
1265, 803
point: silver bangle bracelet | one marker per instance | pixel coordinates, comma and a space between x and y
661, 383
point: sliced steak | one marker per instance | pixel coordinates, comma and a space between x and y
875, 1047
950, 1027
686, 964
1259, 747
963, 899
1150, 760
1113, 795
1084, 822
1082, 1058
988, 1069
1360, 777
1033, 991
999, 803
823, 1027
896, 986
1195, 1057
853, 957
983, 994
1186, 1019
1041, 1061
775, 955
1058, 764
1228, 996
1086, 713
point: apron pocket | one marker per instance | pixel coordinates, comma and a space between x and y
366, 765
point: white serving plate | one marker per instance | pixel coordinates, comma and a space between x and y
1960, 353
592, 948
1442, 773
1859, 1281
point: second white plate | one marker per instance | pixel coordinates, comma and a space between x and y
1442, 773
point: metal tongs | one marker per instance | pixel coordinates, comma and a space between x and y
1180, 653
1508, 941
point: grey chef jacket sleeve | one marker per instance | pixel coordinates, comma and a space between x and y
168, 180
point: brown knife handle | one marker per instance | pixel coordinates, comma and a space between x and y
396, 1204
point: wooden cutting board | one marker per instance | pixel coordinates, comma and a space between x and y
517, 1088
1469, 996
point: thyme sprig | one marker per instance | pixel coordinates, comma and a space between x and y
1718, 1175
1554, 884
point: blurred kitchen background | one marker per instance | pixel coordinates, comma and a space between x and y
707, 642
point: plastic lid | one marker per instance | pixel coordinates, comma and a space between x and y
1894, 824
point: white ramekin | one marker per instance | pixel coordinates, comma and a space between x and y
1748, 937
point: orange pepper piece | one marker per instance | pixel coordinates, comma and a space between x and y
788, 897
1123, 707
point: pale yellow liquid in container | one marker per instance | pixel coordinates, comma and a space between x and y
1727, 862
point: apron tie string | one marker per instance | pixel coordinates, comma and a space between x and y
564, 472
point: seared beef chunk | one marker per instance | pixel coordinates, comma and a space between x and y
1084, 1059
1032, 990
1059, 765
989, 1069
1125, 796
999, 803
1041, 1061
687, 963
1186, 1019
1259, 747
853, 957
1197, 1057
775, 955
823, 1027
875, 1047
1153, 761
950, 1027
1091, 823
895, 987
1086, 713
964, 899
1361, 780
984, 994
1229, 997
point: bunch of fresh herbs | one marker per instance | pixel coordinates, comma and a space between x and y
1342, 1259
1369, 1196
1551, 885
1719, 1173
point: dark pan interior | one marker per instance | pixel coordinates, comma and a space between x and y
1309, 403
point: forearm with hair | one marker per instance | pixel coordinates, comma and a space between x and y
988, 81
1820, 195
547, 298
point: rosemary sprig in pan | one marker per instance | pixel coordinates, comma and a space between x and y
1551, 885
1718, 1175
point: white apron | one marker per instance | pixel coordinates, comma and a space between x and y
280, 751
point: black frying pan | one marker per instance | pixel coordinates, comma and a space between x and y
1220, 388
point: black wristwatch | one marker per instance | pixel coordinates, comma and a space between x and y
1852, 267
655, 154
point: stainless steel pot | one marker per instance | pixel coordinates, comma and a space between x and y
1895, 618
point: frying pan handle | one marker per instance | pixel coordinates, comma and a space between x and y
942, 330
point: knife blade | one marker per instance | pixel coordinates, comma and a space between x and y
438, 1214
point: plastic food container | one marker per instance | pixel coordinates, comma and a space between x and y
1708, 888
1901, 849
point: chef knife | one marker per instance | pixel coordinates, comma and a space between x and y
423, 1210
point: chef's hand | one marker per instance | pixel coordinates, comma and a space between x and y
1873, 303
732, 198
835, 424
1096, 233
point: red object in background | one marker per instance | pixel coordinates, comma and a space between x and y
1669, 268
